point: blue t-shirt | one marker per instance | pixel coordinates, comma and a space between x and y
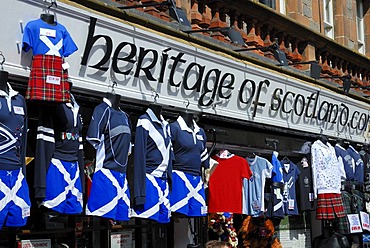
290, 177
47, 39
13, 130
153, 152
345, 159
189, 147
359, 164
110, 133
277, 170
253, 193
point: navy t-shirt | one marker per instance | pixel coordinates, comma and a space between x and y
189, 147
110, 133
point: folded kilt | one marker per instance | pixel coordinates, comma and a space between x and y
329, 206
48, 80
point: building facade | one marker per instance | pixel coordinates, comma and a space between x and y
260, 76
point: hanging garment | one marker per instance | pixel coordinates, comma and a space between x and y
305, 187
364, 153
50, 44
346, 163
110, 134
326, 170
14, 194
59, 158
275, 206
253, 188
358, 164
290, 177
152, 168
226, 184
190, 151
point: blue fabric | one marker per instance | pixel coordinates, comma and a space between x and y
347, 161
155, 207
359, 164
13, 131
290, 178
10, 213
56, 186
253, 193
192, 205
189, 148
277, 171
104, 192
152, 152
31, 38
110, 133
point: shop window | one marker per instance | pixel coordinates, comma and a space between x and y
270, 3
328, 18
360, 26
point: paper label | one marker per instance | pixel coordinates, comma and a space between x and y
53, 80
290, 204
256, 205
365, 221
65, 66
18, 110
26, 212
79, 197
311, 197
47, 32
204, 210
354, 223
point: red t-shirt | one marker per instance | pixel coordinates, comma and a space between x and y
226, 183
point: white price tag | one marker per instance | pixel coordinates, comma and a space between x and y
290, 204
26, 212
204, 210
53, 80
354, 223
65, 66
365, 221
47, 32
18, 110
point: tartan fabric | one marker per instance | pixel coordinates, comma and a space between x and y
329, 206
343, 223
39, 88
357, 201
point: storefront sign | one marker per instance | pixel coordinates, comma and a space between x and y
121, 240
35, 243
144, 63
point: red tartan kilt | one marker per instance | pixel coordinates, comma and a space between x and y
38, 87
329, 206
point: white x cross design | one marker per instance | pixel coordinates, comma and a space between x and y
53, 49
193, 192
11, 194
69, 188
163, 199
121, 194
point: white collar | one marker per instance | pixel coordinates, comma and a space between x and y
106, 100
185, 127
154, 118
339, 146
11, 92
